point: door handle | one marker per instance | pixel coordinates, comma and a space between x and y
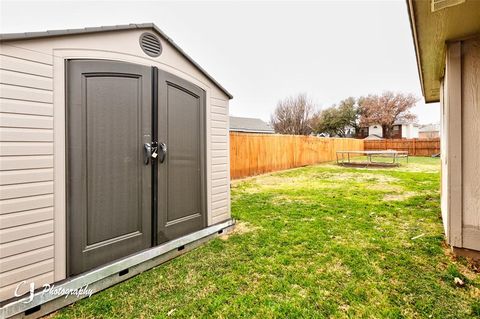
162, 152
147, 153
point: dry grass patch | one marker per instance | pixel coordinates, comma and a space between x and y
240, 228
398, 197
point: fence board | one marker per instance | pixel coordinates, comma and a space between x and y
253, 154
415, 147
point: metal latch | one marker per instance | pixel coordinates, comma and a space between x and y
150, 151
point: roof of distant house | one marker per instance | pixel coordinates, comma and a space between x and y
429, 128
405, 123
397, 123
249, 125
373, 137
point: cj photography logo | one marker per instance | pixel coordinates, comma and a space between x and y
51, 290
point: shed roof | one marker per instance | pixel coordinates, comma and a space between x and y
250, 125
55, 33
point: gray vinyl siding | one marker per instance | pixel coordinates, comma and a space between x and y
26, 169
220, 170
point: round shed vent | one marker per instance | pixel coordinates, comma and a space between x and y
150, 44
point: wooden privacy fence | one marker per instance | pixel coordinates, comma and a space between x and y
415, 147
253, 154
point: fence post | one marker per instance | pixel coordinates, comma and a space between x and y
414, 147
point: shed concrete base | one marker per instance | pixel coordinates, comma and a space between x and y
111, 274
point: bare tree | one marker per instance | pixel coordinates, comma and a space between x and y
294, 115
386, 109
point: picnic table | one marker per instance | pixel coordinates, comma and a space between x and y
395, 155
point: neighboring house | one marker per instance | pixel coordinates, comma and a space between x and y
446, 37
400, 130
249, 125
429, 131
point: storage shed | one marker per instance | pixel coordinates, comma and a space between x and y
114, 151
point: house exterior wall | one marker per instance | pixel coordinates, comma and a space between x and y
471, 143
460, 145
376, 130
409, 131
32, 143
429, 134
444, 188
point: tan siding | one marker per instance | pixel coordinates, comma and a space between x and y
27, 258
219, 139
27, 121
26, 176
25, 203
25, 231
219, 102
219, 175
219, 182
219, 117
26, 173
218, 146
24, 190
25, 162
25, 107
471, 142
220, 192
25, 80
27, 244
220, 217
218, 110
25, 148
26, 94
15, 52
219, 204
220, 160
443, 154
220, 153
219, 168
10, 277
8, 134
25, 217
25, 66
38, 281
223, 131
471, 131
454, 156
219, 124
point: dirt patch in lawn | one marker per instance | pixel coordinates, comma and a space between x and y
240, 228
384, 187
359, 177
398, 197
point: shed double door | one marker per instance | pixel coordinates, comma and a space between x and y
119, 203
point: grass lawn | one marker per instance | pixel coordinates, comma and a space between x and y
321, 241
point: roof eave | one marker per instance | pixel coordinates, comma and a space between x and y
411, 16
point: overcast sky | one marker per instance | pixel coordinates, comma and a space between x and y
264, 51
